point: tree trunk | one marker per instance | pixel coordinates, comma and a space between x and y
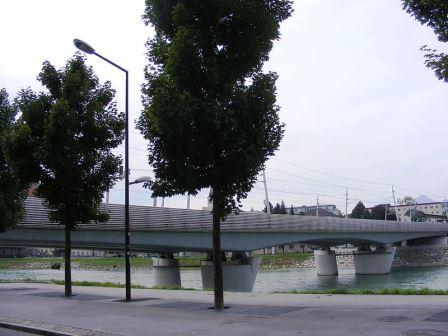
217, 265
67, 255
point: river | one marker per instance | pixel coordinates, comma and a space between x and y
434, 277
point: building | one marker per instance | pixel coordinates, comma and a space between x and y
424, 212
420, 212
325, 210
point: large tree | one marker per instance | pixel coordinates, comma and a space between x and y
434, 14
382, 212
209, 110
63, 141
360, 211
12, 191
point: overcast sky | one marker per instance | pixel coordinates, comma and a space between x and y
354, 93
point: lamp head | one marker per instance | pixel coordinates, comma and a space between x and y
83, 46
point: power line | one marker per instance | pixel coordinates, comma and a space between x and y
328, 174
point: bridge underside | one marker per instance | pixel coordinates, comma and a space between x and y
172, 241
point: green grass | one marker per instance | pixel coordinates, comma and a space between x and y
172, 287
287, 256
92, 263
392, 291
96, 284
116, 285
7, 263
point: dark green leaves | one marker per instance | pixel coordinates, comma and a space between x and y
11, 190
360, 211
210, 114
434, 14
63, 141
437, 62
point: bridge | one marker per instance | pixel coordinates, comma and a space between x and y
167, 230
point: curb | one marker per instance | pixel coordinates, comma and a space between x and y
48, 329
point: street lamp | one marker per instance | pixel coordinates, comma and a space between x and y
83, 46
142, 179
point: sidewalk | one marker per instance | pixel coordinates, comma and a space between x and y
102, 312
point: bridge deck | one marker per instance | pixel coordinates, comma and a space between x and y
166, 229
147, 218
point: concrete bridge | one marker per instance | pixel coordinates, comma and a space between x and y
167, 230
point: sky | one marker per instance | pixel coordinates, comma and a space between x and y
362, 112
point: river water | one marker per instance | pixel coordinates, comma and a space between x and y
434, 277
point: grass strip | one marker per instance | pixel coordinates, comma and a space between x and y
116, 285
96, 284
172, 287
386, 291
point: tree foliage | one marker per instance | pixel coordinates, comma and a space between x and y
382, 212
434, 14
11, 190
279, 208
360, 211
209, 111
63, 141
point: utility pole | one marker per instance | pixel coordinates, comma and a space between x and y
188, 201
317, 206
346, 202
395, 203
446, 211
267, 203
154, 203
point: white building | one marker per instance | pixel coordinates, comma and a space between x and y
325, 210
426, 212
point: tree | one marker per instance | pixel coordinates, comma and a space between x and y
271, 208
283, 208
277, 209
434, 14
408, 200
209, 110
63, 141
291, 210
382, 212
12, 191
360, 211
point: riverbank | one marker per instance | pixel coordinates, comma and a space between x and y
277, 261
409, 256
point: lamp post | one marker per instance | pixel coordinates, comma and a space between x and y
83, 46
142, 179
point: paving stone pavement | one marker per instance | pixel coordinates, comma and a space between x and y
50, 329
98, 311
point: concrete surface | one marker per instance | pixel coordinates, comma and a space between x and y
9, 332
162, 230
100, 311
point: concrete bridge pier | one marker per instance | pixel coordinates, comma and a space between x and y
378, 261
166, 270
239, 273
325, 262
